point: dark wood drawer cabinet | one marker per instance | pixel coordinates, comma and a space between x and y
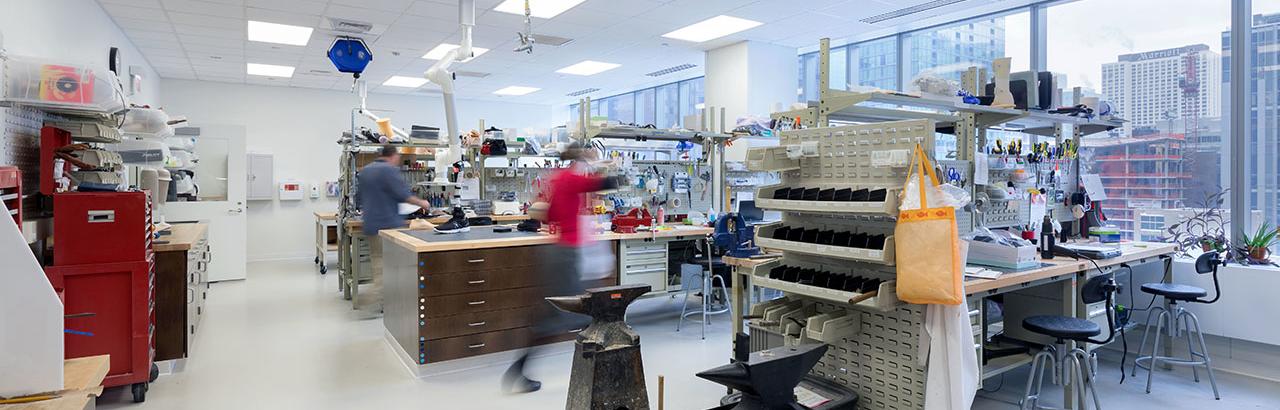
433, 263
181, 286
479, 281
477, 344
481, 322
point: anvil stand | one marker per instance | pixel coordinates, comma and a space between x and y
608, 372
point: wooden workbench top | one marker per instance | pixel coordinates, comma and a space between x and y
400, 238
326, 216
1057, 266
82, 381
180, 237
1132, 251
357, 223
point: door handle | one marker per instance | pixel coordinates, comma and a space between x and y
476, 303
476, 324
475, 282
235, 211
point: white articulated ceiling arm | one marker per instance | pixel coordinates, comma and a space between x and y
442, 76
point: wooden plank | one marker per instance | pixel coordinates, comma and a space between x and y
82, 381
181, 237
409, 242
1063, 265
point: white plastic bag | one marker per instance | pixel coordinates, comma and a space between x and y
938, 196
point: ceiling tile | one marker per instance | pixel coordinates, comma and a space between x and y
149, 43
623, 8
204, 8
151, 4
139, 13
285, 17
203, 51
232, 2
211, 32
397, 6
435, 9
128, 23
162, 52
151, 35
210, 41
187, 19
361, 14
308, 7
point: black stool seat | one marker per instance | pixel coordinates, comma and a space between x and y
1174, 291
1062, 327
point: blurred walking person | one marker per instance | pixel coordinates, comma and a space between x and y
565, 210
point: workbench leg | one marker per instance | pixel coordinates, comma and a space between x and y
357, 272
738, 306
1167, 342
1070, 296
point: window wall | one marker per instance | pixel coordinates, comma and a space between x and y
1170, 82
1168, 85
663, 106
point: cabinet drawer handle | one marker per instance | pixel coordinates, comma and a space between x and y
477, 324
476, 282
476, 346
475, 260
476, 303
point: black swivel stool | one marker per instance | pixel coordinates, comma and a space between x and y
1175, 293
1080, 364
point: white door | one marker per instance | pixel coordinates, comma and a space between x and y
220, 177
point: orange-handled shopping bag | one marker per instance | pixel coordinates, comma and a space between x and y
930, 269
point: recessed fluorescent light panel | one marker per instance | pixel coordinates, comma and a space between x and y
268, 70
402, 81
516, 90
712, 28
279, 33
588, 67
444, 48
543, 9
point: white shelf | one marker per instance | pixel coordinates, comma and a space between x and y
886, 296
764, 239
764, 199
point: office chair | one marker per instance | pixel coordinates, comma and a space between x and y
1174, 293
1080, 364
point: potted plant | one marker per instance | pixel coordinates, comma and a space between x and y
1257, 247
1204, 228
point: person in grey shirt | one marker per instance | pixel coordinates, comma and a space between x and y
381, 190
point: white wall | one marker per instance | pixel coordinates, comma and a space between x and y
73, 31
750, 77
300, 127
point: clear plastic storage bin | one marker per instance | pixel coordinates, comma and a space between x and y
61, 87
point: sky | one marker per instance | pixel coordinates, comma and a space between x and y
1085, 34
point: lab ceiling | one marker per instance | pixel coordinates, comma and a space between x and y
206, 39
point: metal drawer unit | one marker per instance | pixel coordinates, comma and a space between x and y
643, 261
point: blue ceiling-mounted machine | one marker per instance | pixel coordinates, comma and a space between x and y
350, 55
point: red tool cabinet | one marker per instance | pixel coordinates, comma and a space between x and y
103, 268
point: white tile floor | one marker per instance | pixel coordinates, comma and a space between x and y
284, 339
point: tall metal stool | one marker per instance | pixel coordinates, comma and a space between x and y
1174, 293
1076, 367
704, 283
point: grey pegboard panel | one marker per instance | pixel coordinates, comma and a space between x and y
881, 361
20, 146
845, 154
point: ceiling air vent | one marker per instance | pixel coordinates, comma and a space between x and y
583, 92
909, 11
472, 74
349, 26
670, 70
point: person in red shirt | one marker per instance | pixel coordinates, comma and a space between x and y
567, 197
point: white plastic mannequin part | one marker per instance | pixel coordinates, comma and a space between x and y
1000, 67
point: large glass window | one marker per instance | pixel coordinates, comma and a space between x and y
1264, 123
645, 106
691, 97
1170, 87
875, 63
808, 87
622, 108
949, 50
668, 109
838, 77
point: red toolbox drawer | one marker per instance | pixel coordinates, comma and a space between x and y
111, 302
100, 227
